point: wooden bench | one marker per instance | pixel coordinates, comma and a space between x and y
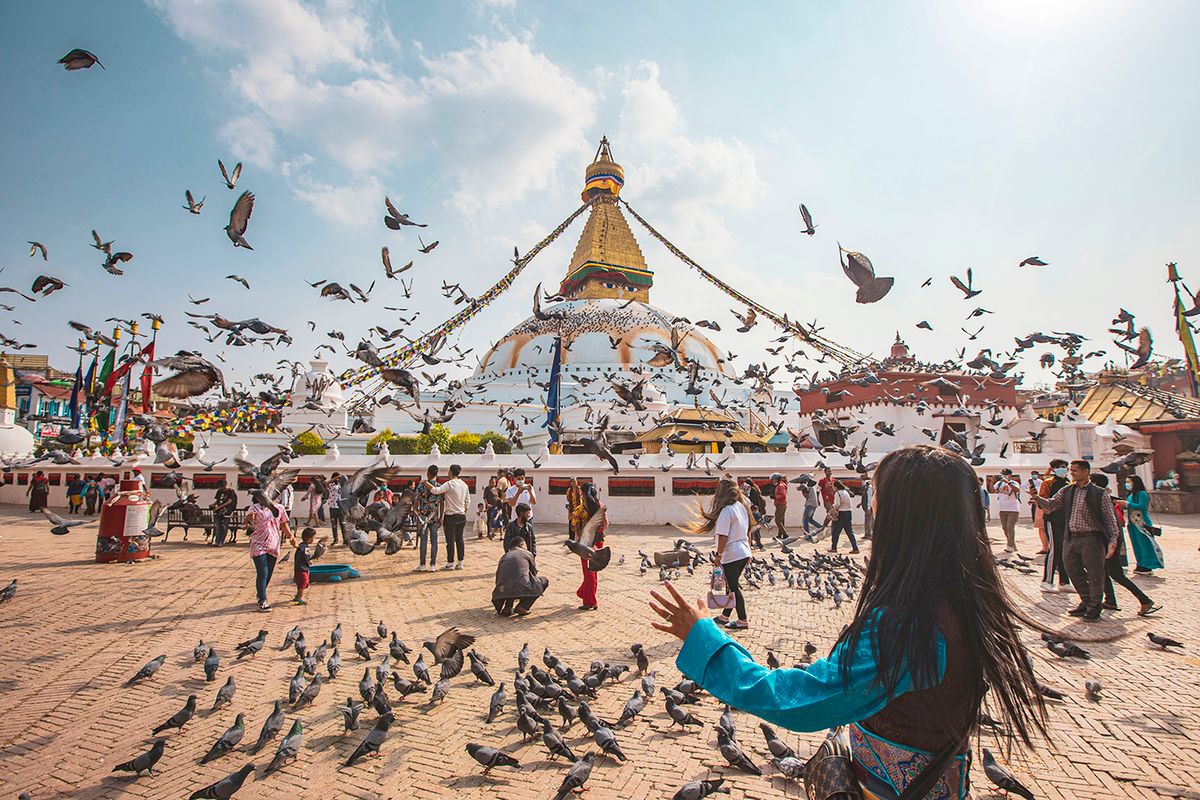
202, 519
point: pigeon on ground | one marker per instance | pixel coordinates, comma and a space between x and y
733, 754
296, 686
180, 717
698, 790
726, 723
212, 663
496, 704
407, 687
680, 716
421, 670
350, 713
8, 591
373, 740
144, 762
791, 767
1163, 641
270, 728
490, 758
1001, 778
576, 776
555, 744
227, 741
440, 690
479, 670
633, 707
225, 788
225, 694
776, 745
148, 670
251, 647
398, 649
1093, 689
607, 740
1067, 650
291, 636
289, 748
309, 694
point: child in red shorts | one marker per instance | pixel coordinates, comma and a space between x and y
309, 549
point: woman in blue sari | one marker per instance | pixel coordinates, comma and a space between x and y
1146, 551
932, 633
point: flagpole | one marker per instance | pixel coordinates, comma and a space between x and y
147, 402
108, 409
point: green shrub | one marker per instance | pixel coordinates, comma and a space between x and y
500, 443
308, 444
379, 441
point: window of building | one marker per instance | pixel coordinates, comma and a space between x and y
693, 486
631, 487
832, 437
950, 429
559, 486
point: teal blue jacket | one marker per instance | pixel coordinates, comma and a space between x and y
810, 699
1139, 501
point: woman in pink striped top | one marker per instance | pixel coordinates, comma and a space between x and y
268, 524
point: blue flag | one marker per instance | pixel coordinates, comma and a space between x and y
552, 394
73, 405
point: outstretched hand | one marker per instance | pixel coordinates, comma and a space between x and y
678, 613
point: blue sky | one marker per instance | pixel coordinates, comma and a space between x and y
932, 136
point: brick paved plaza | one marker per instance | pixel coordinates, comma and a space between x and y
76, 631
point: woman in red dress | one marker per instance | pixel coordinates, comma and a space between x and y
591, 580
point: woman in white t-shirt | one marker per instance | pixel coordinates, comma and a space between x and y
728, 518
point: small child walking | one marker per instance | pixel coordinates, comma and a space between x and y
481, 522
309, 549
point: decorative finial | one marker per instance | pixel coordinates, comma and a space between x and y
603, 177
1172, 272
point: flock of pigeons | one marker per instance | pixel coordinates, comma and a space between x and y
194, 375
546, 706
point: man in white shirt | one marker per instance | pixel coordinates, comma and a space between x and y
455, 495
285, 499
840, 511
521, 492
1007, 491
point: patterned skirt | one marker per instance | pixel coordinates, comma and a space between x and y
893, 765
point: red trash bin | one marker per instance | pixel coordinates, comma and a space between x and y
123, 517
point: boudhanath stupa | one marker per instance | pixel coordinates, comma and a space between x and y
674, 438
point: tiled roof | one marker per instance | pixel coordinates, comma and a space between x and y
1130, 403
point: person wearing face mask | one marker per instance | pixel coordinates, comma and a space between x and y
1055, 520
1092, 536
1115, 567
521, 492
1146, 551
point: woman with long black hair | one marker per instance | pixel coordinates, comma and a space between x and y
728, 518
933, 632
267, 523
1146, 551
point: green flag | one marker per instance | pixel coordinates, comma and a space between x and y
99, 405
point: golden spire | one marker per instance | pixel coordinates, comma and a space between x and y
607, 262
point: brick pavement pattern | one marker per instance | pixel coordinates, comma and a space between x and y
76, 631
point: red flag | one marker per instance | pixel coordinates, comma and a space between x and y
147, 377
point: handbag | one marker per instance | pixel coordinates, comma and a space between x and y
830, 774
719, 595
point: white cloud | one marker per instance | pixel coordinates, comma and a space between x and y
352, 205
508, 116
497, 115
250, 139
